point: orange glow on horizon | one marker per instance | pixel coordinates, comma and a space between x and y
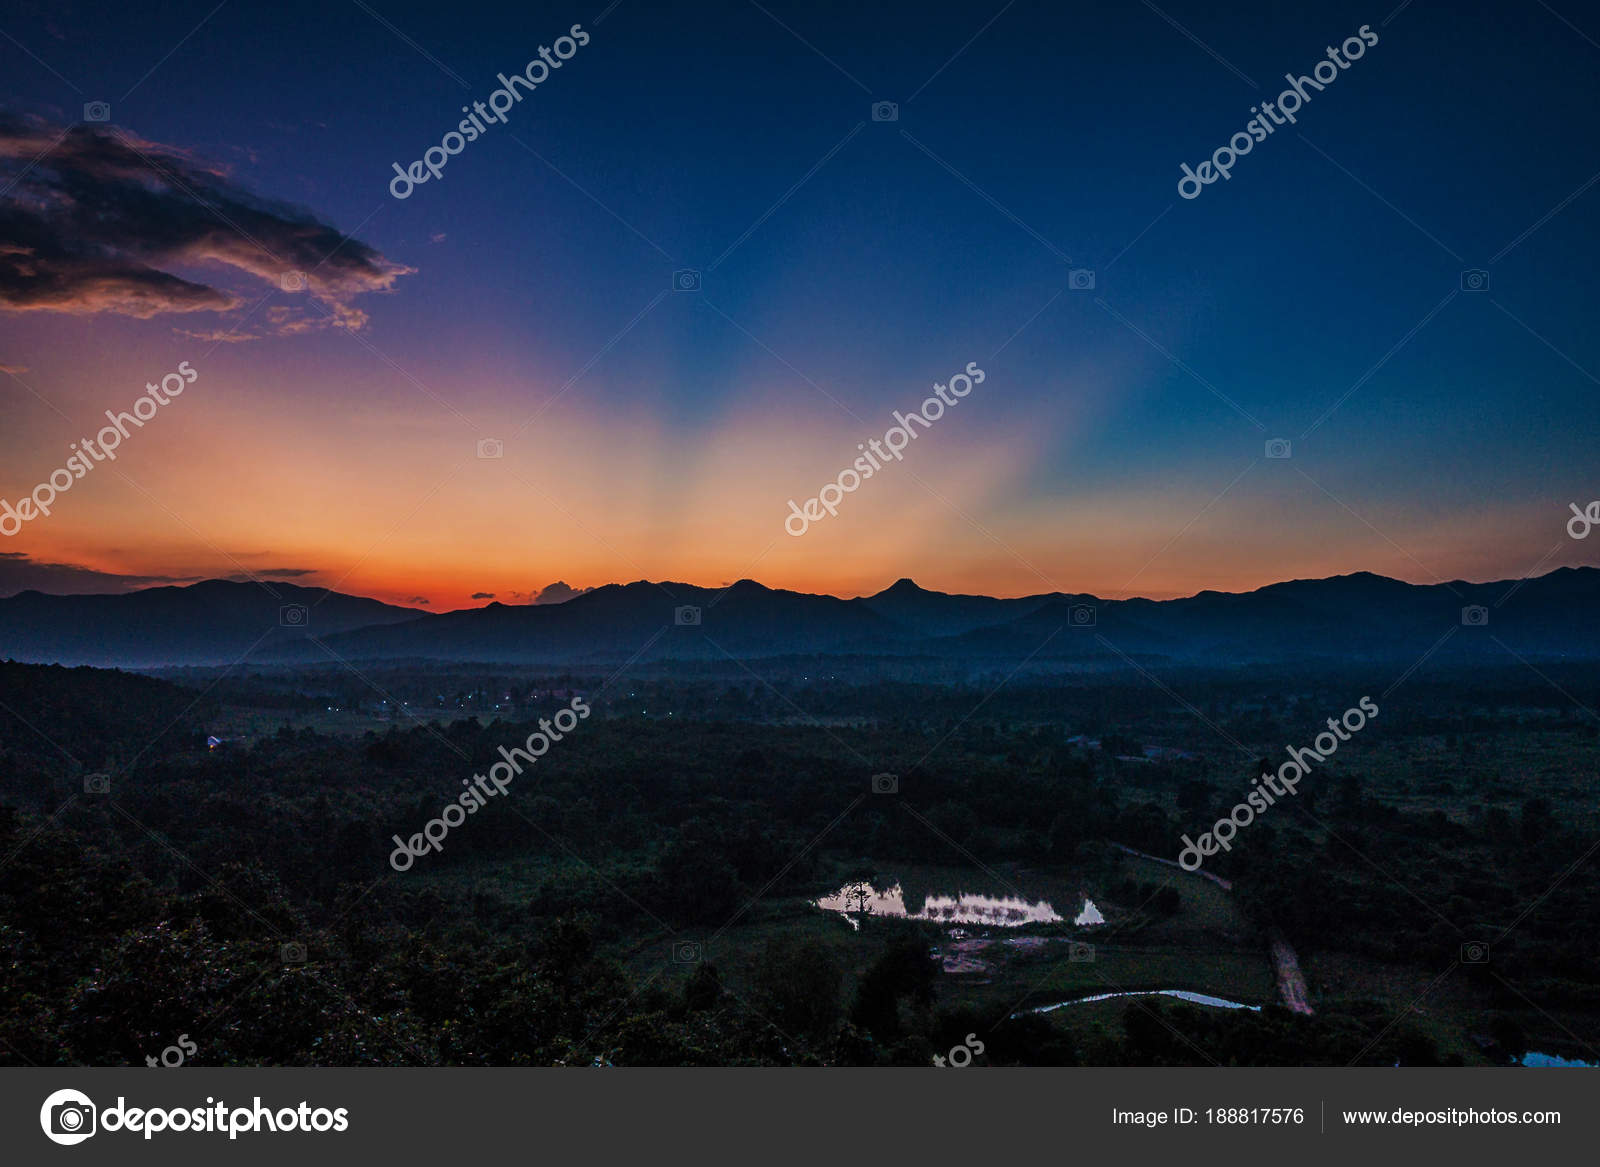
346, 491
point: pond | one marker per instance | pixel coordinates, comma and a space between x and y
963, 907
1540, 1061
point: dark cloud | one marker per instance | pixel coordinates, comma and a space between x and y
92, 219
483, 595
558, 593
419, 600
268, 573
20, 572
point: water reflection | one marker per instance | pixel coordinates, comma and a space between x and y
1181, 994
1551, 1061
857, 899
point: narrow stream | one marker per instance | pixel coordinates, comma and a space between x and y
1180, 994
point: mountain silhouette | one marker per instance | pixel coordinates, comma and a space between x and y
1341, 618
214, 622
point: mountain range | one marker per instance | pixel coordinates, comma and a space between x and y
213, 622
1359, 616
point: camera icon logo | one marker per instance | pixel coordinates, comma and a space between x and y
1080, 952
293, 281
1278, 447
686, 280
687, 616
67, 1117
97, 784
1081, 615
886, 784
293, 616
292, 953
885, 111
686, 952
1475, 616
96, 111
1475, 952
491, 448
1474, 279
1081, 279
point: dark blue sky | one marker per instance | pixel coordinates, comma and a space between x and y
1094, 455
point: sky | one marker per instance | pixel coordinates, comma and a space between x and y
867, 201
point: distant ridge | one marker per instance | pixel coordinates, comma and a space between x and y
1347, 617
213, 622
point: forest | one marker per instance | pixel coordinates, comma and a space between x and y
646, 895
